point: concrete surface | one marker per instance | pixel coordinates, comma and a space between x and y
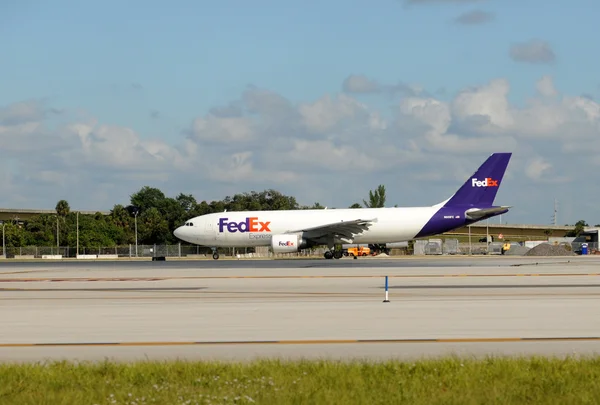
153, 310
295, 263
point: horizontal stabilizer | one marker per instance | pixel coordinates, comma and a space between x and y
479, 213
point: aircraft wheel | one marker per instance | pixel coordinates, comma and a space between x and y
337, 254
216, 256
328, 255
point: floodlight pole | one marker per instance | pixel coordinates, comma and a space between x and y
3, 240
470, 240
77, 253
136, 236
487, 233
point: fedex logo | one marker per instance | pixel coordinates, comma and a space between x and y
487, 182
286, 243
251, 224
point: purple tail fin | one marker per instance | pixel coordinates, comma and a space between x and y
481, 188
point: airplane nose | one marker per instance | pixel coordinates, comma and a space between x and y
178, 232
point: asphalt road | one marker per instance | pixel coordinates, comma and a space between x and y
241, 310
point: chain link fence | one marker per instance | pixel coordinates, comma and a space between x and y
419, 248
143, 251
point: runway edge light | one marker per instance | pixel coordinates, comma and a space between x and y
386, 290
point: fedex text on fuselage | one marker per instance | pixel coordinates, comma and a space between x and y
250, 224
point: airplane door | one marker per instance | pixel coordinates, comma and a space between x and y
211, 229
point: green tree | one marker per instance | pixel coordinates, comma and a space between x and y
186, 201
174, 213
121, 217
157, 217
315, 206
578, 228
41, 230
376, 198
62, 208
356, 205
62, 226
146, 198
152, 227
15, 235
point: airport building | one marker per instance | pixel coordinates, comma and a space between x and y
514, 232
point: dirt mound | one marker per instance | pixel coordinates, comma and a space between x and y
546, 249
517, 251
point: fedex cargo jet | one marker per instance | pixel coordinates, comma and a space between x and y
292, 230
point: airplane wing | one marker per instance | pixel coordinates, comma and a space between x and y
345, 230
476, 213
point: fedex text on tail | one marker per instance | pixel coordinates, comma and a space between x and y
487, 182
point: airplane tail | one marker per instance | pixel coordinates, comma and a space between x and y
481, 188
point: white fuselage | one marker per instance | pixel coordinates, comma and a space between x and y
392, 225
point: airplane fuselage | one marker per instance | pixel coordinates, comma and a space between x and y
255, 228
292, 230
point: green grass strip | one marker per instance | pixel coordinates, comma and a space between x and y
449, 381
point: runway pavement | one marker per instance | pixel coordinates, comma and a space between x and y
309, 309
295, 263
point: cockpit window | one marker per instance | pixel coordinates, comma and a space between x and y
189, 224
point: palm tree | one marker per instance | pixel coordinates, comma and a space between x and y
377, 198
62, 208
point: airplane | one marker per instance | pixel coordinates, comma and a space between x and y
289, 231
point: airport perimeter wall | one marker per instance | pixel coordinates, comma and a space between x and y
433, 246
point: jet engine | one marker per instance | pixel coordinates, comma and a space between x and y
287, 243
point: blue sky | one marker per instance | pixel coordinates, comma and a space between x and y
119, 62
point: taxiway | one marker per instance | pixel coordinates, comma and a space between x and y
240, 310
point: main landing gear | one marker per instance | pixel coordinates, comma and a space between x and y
333, 254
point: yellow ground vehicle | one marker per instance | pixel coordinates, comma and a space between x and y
358, 251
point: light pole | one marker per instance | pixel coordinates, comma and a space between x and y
470, 240
3, 240
77, 254
135, 213
487, 233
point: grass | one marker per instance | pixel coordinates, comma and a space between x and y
448, 381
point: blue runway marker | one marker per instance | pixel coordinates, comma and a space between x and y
386, 290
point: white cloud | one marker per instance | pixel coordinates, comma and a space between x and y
545, 87
534, 51
332, 149
485, 107
223, 129
440, 1
536, 168
328, 113
361, 84
474, 17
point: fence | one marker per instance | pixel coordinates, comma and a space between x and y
420, 247
454, 247
142, 251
